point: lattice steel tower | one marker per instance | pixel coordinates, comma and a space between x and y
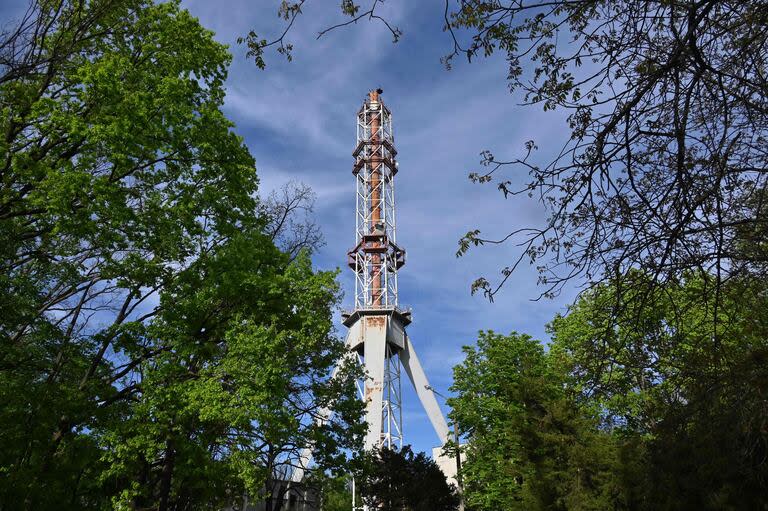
377, 324
377, 334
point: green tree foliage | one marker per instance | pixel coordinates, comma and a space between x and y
652, 412
397, 480
336, 493
530, 446
157, 349
696, 399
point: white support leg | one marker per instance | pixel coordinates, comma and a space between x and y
416, 374
375, 358
375, 343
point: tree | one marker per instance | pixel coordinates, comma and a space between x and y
288, 11
665, 169
238, 392
158, 349
530, 445
652, 412
336, 493
695, 400
116, 157
291, 224
395, 480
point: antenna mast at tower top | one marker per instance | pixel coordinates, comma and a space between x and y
376, 256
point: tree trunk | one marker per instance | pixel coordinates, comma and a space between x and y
166, 475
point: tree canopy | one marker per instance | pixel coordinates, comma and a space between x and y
650, 414
166, 342
665, 169
529, 445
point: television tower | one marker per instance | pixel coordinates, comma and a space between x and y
377, 325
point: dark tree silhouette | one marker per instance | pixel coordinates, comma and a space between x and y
393, 480
665, 168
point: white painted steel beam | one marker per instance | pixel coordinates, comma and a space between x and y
375, 347
418, 378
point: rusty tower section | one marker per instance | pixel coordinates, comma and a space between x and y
377, 324
376, 256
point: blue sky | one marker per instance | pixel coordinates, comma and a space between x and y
298, 119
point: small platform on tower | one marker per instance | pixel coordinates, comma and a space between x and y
360, 322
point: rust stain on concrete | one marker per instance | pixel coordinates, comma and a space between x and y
375, 321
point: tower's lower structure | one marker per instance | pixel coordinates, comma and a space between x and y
380, 339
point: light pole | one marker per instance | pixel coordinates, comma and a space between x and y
458, 451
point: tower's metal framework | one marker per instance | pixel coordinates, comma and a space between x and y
377, 324
376, 256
